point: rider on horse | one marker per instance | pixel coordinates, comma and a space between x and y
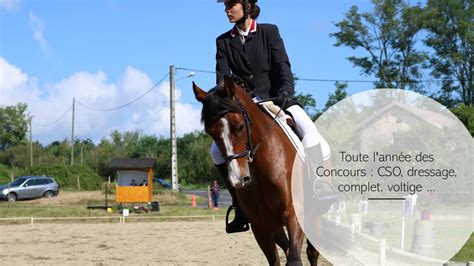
255, 53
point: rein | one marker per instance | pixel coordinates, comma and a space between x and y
251, 150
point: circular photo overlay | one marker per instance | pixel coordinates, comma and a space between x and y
386, 180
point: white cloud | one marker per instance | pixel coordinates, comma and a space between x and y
37, 26
47, 103
12, 78
135, 81
154, 114
165, 90
15, 85
10, 4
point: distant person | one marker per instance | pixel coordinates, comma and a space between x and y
143, 183
133, 183
215, 194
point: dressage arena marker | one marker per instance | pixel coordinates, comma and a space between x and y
412, 150
193, 201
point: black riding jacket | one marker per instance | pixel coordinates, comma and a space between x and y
261, 61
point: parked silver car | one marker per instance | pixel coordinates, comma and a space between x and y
28, 187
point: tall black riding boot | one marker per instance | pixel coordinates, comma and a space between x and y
240, 222
323, 193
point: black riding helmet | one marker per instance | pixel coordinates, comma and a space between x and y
245, 4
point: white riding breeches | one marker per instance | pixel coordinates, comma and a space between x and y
304, 125
308, 130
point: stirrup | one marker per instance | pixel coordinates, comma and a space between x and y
228, 229
318, 187
324, 198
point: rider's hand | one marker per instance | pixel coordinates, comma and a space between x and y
283, 97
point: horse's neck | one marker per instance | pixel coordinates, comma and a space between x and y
261, 122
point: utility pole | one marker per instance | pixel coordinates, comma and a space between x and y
81, 154
174, 156
72, 133
31, 143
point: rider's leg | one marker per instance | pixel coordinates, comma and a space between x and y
318, 152
308, 129
240, 223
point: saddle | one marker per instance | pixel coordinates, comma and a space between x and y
278, 111
286, 122
323, 192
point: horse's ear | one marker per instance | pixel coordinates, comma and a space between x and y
199, 93
229, 86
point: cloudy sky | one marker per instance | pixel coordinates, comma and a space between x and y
106, 53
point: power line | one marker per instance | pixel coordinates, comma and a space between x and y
196, 70
189, 103
45, 124
55, 121
192, 103
371, 81
124, 105
333, 80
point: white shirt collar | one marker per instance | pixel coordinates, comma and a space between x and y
245, 33
252, 28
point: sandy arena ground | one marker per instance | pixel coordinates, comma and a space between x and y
157, 243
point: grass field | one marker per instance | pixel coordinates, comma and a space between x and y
74, 204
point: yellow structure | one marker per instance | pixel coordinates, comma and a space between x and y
134, 179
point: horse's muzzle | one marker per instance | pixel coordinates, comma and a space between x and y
245, 183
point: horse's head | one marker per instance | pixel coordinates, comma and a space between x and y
228, 123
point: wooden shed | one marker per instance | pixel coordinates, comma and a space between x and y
134, 179
396, 118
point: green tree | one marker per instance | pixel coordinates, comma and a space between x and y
19, 155
387, 35
83, 152
466, 115
13, 125
163, 158
338, 95
105, 152
60, 150
147, 147
450, 26
127, 143
194, 161
308, 102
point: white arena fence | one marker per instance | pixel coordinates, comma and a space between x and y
104, 219
382, 248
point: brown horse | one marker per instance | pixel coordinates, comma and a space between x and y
259, 159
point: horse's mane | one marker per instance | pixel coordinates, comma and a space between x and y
218, 104
239, 81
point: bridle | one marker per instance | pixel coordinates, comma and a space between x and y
250, 149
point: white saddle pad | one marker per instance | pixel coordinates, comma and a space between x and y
297, 144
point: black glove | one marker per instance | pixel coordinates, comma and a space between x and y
283, 97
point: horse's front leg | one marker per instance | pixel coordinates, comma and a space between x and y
266, 241
296, 236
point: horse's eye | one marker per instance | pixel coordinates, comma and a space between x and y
240, 128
